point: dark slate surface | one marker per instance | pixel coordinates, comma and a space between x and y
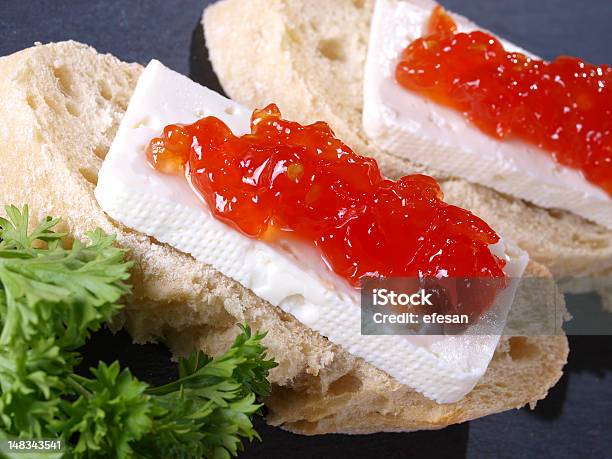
574, 421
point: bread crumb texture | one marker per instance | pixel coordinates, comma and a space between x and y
65, 101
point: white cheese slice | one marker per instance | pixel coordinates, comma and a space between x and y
408, 125
165, 207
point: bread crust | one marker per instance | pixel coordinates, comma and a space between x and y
65, 102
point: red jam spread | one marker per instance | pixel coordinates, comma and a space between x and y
563, 106
287, 178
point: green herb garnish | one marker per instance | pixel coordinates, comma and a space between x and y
51, 299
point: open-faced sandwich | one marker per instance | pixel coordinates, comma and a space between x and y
238, 213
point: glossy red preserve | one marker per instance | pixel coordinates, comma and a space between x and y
563, 106
303, 181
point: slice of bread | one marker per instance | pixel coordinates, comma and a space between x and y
308, 56
62, 104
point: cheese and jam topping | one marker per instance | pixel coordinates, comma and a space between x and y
486, 110
284, 271
287, 178
563, 106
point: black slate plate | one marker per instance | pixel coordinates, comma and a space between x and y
575, 419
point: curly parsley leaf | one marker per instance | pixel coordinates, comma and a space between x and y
51, 299
86, 280
245, 361
217, 396
14, 231
109, 415
31, 376
207, 412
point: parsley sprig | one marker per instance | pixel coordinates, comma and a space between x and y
51, 299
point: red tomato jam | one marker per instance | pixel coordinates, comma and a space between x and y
286, 178
563, 106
